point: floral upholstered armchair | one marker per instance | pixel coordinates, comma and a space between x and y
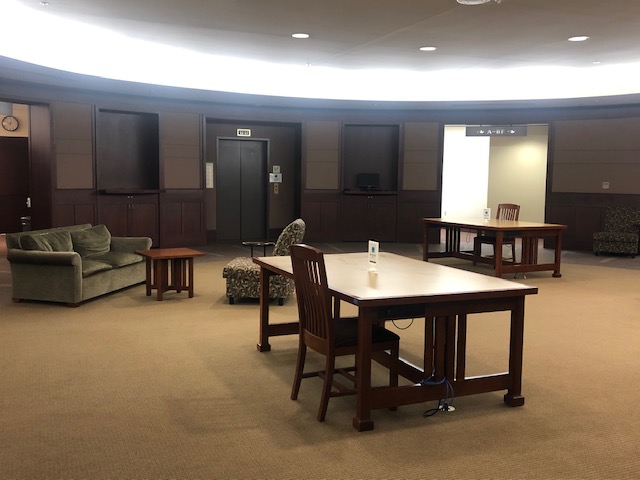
621, 232
243, 276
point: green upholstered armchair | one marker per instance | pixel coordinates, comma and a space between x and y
621, 232
243, 276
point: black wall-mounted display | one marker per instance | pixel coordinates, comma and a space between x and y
368, 181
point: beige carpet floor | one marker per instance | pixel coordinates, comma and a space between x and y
125, 387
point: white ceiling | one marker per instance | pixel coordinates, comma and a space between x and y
374, 34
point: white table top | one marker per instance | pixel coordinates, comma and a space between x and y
401, 279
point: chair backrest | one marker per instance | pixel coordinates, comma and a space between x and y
312, 293
508, 211
622, 219
292, 233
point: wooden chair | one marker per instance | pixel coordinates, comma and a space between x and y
506, 211
329, 336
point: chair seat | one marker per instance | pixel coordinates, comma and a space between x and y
492, 239
346, 333
240, 264
243, 281
623, 237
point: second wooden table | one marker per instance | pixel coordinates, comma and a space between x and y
162, 260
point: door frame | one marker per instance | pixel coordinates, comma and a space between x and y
267, 145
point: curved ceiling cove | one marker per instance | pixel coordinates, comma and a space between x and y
95, 45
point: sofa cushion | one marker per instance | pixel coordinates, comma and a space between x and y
91, 266
34, 242
59, 241
47, 242
119, 259
91, 241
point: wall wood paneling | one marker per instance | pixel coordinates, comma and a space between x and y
73, 139
182, 218
590, 141
584, 154
322, 148
320, 211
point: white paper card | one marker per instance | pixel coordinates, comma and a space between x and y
373, 255
486, 213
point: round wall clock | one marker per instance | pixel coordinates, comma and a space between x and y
10, 123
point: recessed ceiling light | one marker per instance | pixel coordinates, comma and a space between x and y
300, 35
578, 38
427, 49
473, 2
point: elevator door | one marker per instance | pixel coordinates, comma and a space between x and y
242, 190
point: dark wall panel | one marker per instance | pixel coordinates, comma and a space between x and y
320, 211
370, 149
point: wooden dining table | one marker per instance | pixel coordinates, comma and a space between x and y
529, 232
403, 287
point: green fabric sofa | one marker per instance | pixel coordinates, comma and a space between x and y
73, 264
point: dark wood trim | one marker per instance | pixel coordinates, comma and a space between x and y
41, 153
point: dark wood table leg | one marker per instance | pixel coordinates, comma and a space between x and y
514, 397
263, 342
161, 275
440, 349
362, 421
177, 277
558, 253
190, 269
497, 253
149, 277
429, 347
425, 242
461, 349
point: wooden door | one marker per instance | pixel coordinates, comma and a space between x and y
14, 182
242, 190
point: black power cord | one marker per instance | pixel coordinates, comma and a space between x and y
446, 404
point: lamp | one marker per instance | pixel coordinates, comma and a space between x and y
6, 108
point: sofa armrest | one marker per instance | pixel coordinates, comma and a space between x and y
36, 257
46, 276
130, 244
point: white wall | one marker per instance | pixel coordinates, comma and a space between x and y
518, 172
481, 172
465, 173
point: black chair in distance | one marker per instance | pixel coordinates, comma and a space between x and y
329, 336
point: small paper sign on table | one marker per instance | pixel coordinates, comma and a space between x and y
373, 255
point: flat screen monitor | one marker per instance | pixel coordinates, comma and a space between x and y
368, 181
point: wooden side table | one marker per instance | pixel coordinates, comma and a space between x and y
161, 261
